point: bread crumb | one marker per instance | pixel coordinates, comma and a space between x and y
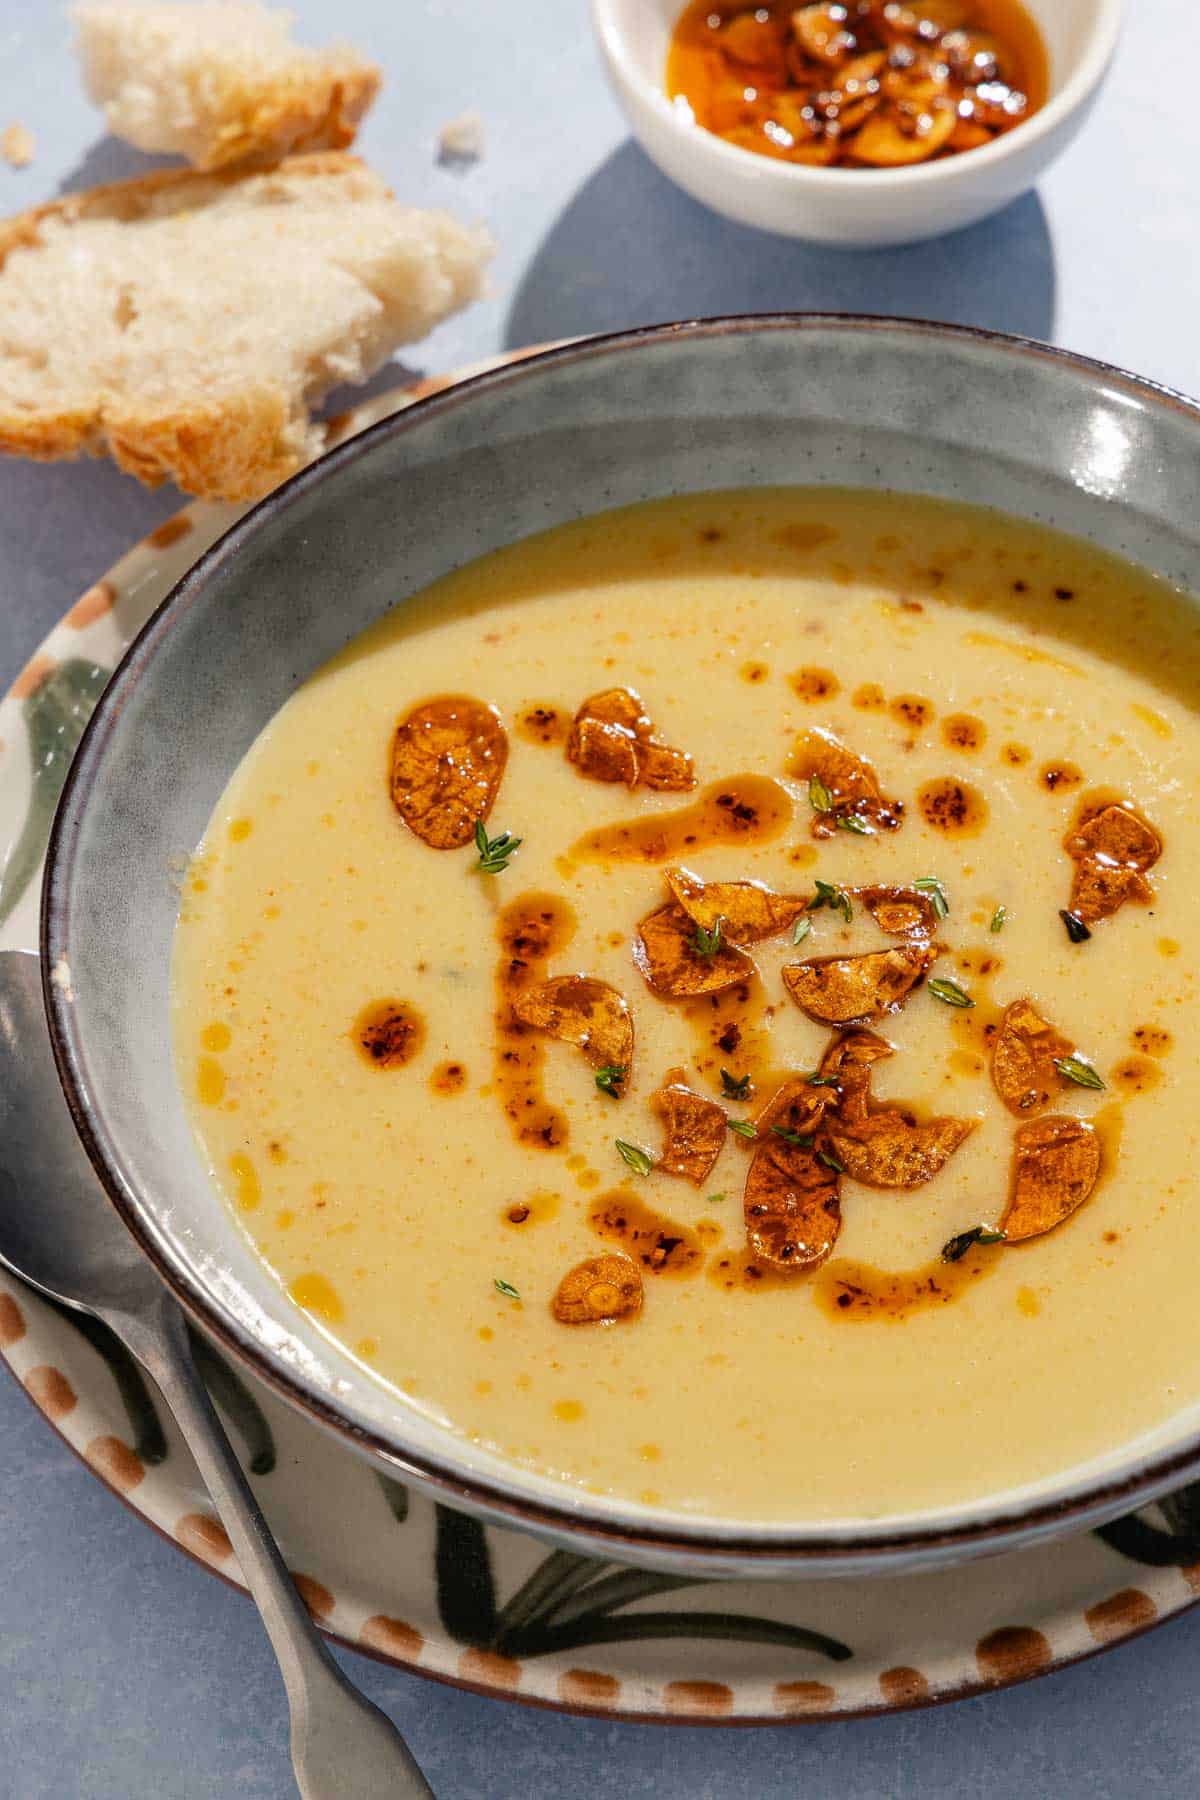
460, 141
17, 146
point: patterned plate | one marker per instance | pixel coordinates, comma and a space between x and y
420, 1585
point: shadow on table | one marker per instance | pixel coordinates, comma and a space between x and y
631, 249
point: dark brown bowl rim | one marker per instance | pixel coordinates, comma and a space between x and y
817, 1551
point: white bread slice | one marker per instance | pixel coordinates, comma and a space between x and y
185, 323
218, 81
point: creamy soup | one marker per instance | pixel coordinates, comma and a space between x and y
862, 1190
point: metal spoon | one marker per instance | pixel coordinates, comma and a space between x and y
58, 1232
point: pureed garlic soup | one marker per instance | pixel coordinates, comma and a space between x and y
861, 1190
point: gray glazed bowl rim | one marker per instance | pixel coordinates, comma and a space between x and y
1089, 1501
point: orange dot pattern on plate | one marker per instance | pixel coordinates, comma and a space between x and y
205, 1537
92, 606
1129, 1610
169, 532
50, 1390
391, 1637
35, 672
698, 1697
12, 1321
587, 1687
804, 1696
1012, 1653
488, 1669
115, 1463
903, 1686
315, 1595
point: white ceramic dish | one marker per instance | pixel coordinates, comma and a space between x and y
861, 208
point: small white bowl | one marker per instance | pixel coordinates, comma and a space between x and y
854, 208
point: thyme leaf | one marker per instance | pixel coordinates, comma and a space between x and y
1077, 931
494, 853
929, 884
801, 930
639, 1160
833, 897
1076, 1069
949, 992
611, 1078
999, 918
507, 1289
707, 943
744, 1128
735, 1087
819, 796
805, 1140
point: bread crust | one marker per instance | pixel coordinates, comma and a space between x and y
316, 110
133, 199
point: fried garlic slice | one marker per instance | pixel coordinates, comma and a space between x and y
850, 990
448, 759
695, 1129
881, 1146
613, 739
1112, 848
666, 955
899, 911
1023, 1058
598, 1290
581, 1010
1056, 1161
886, 1151
790, 1203
847, 780
746, 910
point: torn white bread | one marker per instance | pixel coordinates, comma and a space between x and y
218, 81
187, 323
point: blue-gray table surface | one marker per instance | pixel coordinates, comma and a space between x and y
126, 1671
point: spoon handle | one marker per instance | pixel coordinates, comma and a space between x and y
343, 1747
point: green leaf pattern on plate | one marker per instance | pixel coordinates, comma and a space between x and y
55, 714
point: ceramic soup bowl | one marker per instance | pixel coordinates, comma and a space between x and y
675, 409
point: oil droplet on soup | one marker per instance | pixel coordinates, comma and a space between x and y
248, 1191
744, 809
388, 1033
858, 1292
814, 684
216, 1038
316, 1294
953, 807
660, 1245
210, 1082
530, 930
449, 1078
